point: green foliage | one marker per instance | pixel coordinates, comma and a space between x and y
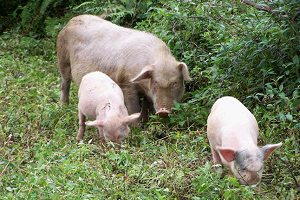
231, 48
31, 15
123, 12
8, 13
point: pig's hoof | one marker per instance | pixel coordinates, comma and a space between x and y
79, 138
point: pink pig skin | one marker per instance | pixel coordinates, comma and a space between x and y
139, 62
232, 132
101, 99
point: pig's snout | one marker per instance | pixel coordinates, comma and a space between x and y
163, 112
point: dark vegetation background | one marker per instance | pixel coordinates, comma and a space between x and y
246, 49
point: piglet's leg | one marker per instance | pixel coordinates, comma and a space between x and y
81, 125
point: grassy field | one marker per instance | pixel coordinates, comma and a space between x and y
41, 159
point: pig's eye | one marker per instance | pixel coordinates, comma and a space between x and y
155, 83
175, 84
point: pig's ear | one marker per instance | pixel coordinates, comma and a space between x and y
130, 119
227, 154
95, 123
182, 67
146, 73
269, 148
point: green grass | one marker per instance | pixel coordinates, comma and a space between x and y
44, 161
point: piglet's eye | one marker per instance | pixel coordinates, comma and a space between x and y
120, 137
155, 83
175, 84
243, 168
122, 128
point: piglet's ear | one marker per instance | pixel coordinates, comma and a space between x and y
95, 123
269, 148
146, 73
130, 119
182, 67
227, 154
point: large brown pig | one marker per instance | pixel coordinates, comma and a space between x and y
232, 131
139, 62
101, 99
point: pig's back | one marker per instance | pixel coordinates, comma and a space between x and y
229, 116
96, 32
96, 90
89, 27
229, 108
96, 86
90, 43
94, 38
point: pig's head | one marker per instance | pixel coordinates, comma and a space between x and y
116, 128
245, 165
164, 83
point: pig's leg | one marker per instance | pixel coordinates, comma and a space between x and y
131, 100
101, 135
81, 125
146, 106
216, 157
65, 72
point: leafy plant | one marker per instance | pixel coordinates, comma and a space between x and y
250, 51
